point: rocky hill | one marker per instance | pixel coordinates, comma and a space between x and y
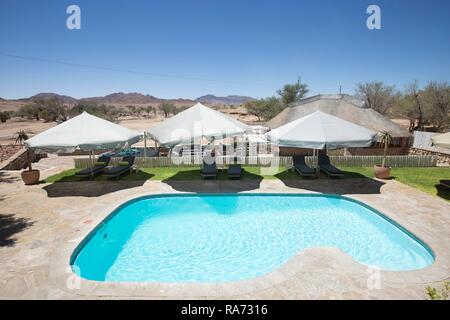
48, 95
123, 99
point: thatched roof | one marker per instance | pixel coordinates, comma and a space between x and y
342, 106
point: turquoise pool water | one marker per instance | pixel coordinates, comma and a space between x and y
214, 238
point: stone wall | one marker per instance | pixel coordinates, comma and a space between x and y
19, 160
443, 158
7, 151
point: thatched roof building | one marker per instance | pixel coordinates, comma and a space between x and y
342, 106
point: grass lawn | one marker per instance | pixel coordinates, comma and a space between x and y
172, 173
425, 179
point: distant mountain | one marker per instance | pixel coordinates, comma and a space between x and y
124, 99
228, 100
45, 95
133, 98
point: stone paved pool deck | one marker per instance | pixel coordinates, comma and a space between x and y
41, 226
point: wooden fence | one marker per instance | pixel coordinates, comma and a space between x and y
393, 161
283, 161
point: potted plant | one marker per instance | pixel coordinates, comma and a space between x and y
29, 176
382, 171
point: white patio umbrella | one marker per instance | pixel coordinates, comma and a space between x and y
194, 123
442, 140
320, 131
85, 132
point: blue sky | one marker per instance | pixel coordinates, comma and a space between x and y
246, 47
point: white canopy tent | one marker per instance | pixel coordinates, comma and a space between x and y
196, 123
442, 140
85, 132
321, 130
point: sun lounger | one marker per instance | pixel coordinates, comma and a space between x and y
326, 167
234, 171
94, 170
209, 170
445, 183
114, 172
302, 168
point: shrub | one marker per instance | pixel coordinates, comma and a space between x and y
167, 108
434, 294
4, 116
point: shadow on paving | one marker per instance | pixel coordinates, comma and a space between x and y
352, 183
443, 192
5, 177
10, 225
89, 188
183, 182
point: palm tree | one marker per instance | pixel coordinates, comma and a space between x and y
20, 136
384, 138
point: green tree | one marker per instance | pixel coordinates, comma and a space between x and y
106, 112
415, 108
141, 111
59, 109
264, 109
149, 110
31, 111
376, 95
291, 93
437, 104
180, 109
4, 116
47, 109
53, 110
132, 110
167, 108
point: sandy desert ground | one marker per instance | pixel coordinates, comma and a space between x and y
8, 129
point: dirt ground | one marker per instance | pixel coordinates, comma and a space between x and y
10, 127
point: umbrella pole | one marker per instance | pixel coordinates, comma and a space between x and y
90, 158
92, 163
145, 144
316, 152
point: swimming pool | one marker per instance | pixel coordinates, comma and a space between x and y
230, 237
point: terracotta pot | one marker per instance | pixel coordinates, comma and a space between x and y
382, 172
30, 176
